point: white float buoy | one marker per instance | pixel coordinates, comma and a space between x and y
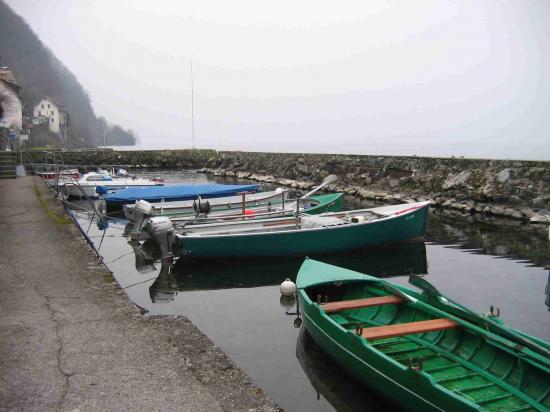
288, 288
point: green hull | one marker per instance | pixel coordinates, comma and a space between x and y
303, 242
466, 368
331, 202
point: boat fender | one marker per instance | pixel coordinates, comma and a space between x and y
288, 288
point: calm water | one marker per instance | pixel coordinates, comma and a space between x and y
237, 303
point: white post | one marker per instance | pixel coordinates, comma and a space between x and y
192, 108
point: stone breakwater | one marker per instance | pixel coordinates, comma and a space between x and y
510, 188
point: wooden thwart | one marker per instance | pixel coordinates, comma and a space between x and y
411, 328
361, 303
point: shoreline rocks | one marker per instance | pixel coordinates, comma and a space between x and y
469, 206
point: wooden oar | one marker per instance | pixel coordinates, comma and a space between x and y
430, 289
536, 351
326, 181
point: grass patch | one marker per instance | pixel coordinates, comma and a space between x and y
108, 278
60, 220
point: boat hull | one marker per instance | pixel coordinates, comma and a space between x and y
73, 190
307, 241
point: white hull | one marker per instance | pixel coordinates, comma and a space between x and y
89, 188
222, 203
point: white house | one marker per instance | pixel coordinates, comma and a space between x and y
47, 110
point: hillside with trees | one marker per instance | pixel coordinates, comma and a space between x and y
40, 74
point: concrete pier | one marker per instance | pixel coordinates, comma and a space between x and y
70, 340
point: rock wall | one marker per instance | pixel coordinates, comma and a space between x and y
512, 188
517, 189
11, 111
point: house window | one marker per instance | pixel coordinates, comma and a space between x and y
42, 105
51, 120
48, 105
52, 112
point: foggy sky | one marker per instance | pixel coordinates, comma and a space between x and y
450, 78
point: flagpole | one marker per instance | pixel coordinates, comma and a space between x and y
192, 108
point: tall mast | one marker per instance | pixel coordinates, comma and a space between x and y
192, 108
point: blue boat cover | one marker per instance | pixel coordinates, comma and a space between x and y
175, 192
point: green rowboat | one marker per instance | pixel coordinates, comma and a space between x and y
420, 349
314, 205
304, 235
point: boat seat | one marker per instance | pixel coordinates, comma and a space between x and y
411, 328
361, 303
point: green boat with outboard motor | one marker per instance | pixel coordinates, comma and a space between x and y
303, 234
313, 205
421, 349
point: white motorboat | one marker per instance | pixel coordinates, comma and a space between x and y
87, 185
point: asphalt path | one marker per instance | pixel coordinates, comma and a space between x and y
70, 340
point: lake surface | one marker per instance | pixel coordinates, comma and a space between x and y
237, 304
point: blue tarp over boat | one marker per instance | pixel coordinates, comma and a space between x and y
174, 192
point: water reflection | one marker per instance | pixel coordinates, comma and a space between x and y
392, 260
165, 286
483, 234
491, 236
334, 383
145, 262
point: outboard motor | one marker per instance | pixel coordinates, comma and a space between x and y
142, 211
129, 211
161, 230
